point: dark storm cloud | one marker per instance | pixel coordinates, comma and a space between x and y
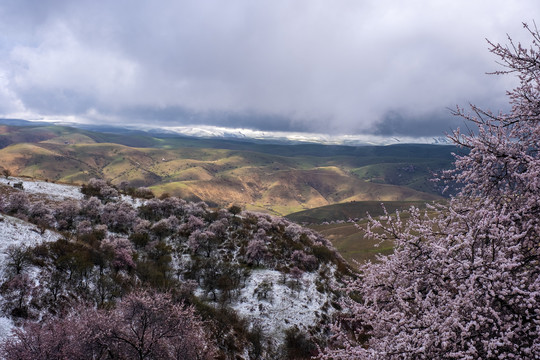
178, 116
344, 66
395, 124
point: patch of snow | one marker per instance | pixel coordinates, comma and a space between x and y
55, 191
6, 326
50, 190
135, 202
285, 307
15, 231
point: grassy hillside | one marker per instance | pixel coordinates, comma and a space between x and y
416, 175
350, 210
279, 179
352, 243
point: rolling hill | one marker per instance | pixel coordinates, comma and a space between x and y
274, 178
350, 210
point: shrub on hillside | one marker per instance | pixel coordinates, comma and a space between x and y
100, 189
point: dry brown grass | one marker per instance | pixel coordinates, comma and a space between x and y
276, 184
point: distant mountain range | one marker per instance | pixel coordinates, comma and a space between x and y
215, 132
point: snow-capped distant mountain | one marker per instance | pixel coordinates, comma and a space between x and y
283, 137
293, 137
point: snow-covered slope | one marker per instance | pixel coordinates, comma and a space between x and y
57, 192
14, 231
284, 307
46, 189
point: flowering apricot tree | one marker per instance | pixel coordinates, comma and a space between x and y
464, 279
144, 325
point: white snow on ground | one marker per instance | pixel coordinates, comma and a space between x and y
6, 325
59, 191
135, 202
14, 231
285, 307
51, 190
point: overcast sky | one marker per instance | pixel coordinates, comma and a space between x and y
388, 67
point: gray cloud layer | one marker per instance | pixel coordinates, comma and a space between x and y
343, 66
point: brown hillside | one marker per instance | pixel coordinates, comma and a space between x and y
276, 184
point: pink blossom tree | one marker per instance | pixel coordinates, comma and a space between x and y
219, 228
122, 252
41, 214
91, 209
464, 279
17, 293
143, 193
101, 189
119, 217
194, 223
165, 227
256, 251
151, 326
66, 214
70, 338
17, 203
155, 209
143, 326
204, 241
303, 260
